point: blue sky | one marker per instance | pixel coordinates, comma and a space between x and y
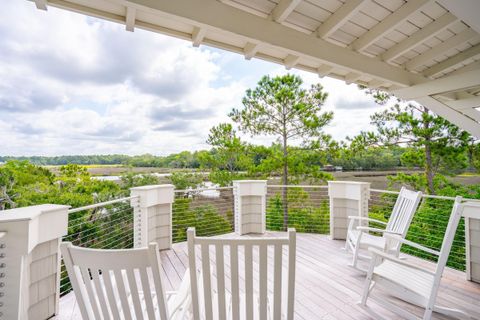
70, 84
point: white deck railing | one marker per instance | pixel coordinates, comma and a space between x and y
162, 214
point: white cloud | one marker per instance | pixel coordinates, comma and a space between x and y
71, 84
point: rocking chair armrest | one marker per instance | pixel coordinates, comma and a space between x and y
413, 244
366, 219
361, 228
386, 256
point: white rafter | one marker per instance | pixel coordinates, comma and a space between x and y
283, 9
197, 36
290, 61
386, 25
446, 84
352, 77
453, 61
240, 23
130, 19
324, 70
452, 115
339, 17
41, 4
419, 37
250, 50
469, 103
457, 40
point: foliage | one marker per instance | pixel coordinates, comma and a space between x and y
433, 143
281, 108
131, 179
304, 214
187, 180
205, 218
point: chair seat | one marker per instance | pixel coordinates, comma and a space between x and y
367, 240
406, 277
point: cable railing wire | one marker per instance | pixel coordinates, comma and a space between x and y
103, 225
428, 225
209, 210
306, 207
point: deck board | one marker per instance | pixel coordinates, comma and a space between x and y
326, 287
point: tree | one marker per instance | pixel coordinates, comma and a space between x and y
228, 154
433, 142
281, 108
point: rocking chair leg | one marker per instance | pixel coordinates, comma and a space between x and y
459, 314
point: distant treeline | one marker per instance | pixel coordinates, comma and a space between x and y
184, 159
371, 159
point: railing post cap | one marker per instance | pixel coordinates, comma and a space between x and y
250, 187
154, 194
29, 226
152, 187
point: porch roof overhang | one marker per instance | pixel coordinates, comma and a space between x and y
422, 50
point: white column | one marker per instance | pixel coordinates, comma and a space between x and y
30, 260
471, 213
153, 215
250, 197
347, 198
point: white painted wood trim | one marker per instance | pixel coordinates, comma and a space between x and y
339, 17
386, 25
453, 61
419, 37
283, 9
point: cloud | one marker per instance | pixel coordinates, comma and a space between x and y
350, 104
71, 84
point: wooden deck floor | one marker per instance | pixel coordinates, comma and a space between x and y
326, 287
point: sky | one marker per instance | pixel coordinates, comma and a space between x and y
71, 84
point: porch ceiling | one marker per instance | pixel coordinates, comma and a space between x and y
424, 50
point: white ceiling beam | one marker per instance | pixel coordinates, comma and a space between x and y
228, 19
197, 36
452, 42
419, 37
465, 10
451, 115
290, 61
472, 66
339, 17
386, 25
250, 50
324, 70
130, 19
452, 61
41, 4
283, 9
472, 113
375, 84
446, 84
352, 77
464, 103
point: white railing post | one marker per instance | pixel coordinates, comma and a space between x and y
153, 215
471, 213
30, 261
250, 197
347, 198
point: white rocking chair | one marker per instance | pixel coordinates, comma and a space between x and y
411, 282
359, 238
122, 284
233, 298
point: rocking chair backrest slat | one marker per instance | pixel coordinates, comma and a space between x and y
237, 282
116, 284
403, 211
